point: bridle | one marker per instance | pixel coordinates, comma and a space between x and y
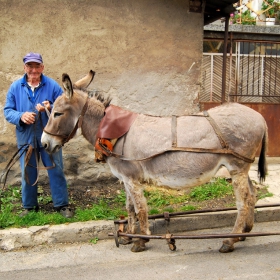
78, 124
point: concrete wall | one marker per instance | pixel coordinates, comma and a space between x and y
146, 54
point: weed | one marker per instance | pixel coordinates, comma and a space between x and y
94, 240
169, 209
159, 200
265, 194
217, 188
121, 197
160, 197
100, 211
188, 208
154, 211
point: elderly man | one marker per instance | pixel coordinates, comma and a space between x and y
25, 106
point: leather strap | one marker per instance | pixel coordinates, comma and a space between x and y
74, 130
179, 149
216, 129
28, 155
12, 161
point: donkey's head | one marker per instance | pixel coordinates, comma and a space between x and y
67, 113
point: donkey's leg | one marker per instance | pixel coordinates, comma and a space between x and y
249, 222
140, 205
131, 227
245, 202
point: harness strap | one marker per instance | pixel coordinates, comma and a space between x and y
178, 149
100, 152
216, 129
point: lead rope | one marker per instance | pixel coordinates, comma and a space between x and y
13, 160
24, 148
30, 150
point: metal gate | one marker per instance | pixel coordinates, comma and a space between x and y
253, 73
252, 78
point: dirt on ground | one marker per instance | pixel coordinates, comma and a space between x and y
85, 196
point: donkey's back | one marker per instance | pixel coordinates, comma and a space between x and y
240, 129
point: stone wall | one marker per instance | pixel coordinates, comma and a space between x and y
146, 55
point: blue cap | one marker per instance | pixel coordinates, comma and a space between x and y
33, 57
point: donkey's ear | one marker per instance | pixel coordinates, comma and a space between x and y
85, 81
67, 85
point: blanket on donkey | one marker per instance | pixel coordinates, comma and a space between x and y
115, 123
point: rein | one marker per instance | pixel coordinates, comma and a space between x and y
12, 161
78, 124
28, 149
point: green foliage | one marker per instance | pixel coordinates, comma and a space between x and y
120, 198
156, 198
7, 219
270, 7
94, 240
264, 195
245, 18
159, 200
43, 199
100, 211
217, 188
154, 211
188, 208
169, 209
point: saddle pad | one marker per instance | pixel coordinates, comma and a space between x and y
115, 123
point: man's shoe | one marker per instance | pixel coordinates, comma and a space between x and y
66, 212
28, 210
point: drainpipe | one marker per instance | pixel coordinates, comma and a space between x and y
224, 73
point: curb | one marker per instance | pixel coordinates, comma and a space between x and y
15, 238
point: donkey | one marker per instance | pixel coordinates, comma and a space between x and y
229, 135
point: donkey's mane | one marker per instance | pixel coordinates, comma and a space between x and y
97, 95
101, 97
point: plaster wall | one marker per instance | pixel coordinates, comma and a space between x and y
146, 54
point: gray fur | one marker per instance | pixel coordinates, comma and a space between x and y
242, 128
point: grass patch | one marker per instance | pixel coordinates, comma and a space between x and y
216, 194
215, 189
264, 195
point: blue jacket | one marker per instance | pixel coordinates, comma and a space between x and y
19, 100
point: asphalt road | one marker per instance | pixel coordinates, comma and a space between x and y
256, 258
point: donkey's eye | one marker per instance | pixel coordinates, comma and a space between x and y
57, 114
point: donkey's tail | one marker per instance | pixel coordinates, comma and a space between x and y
262, 166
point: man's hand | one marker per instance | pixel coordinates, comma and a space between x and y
41, 108
28, 117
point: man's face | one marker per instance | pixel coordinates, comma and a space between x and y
33, 69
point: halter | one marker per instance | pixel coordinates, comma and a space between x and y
77, 125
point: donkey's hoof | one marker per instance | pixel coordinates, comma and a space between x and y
125, 241
242, 238
226, 248
138, 247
